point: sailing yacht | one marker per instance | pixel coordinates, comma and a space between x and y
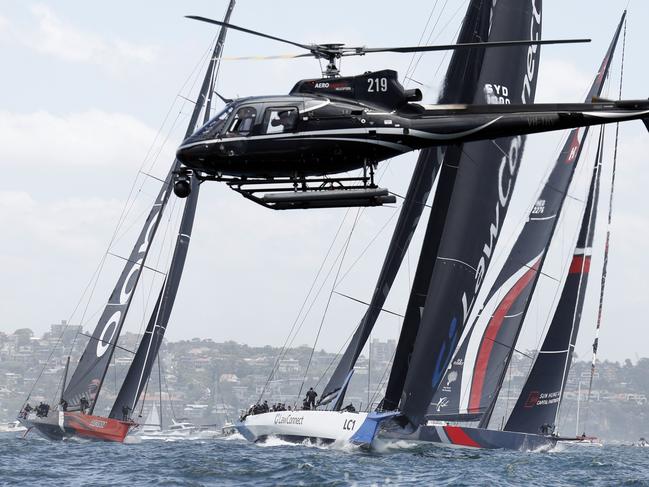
74, 415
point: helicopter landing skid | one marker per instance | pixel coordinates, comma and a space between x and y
306, 193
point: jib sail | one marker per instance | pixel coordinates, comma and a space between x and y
88, 377
462, 70
478, 204
538, 404
472, 382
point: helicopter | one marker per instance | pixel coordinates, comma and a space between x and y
287, 152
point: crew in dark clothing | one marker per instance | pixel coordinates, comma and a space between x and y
310, 397
64, 405
126, 413
264, 407
42, 409
547, 429
26, 410
83, 404
305, 404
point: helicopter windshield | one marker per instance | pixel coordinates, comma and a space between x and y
214, 126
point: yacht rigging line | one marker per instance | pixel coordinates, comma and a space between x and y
421, 37
293, 331
368, 304
333, 287
607, 242
288, 340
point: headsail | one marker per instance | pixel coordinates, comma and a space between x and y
88, 377
473, 379
463, 68
477, 207
538, 403
140, 369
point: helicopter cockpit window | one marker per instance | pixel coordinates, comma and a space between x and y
278, 120
242, 122
215, 125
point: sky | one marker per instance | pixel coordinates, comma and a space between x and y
93, 97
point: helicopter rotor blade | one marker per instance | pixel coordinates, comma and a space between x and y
359, 51
249, 31
331, 51
265, 58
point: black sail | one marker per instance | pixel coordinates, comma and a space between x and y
462, 69
88, 377
478, 205
459, 87
472, 382
147, 352
539, 401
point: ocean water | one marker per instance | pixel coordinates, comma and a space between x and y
237, 462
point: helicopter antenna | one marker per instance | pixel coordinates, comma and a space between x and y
334, 52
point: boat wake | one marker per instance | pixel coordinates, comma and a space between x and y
385, 446
233, 436
274, 441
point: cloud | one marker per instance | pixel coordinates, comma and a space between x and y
63, 225
90, 138
54, 36
561, 80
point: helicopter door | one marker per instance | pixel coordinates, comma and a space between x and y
278, 120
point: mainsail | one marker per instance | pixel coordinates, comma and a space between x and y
471, 383
478, 204
539, 401
147, 352
458, 87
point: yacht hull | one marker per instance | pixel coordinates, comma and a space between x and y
59, 425
468, 437
317, 426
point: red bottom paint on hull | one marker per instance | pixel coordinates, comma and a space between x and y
468, 437
61, 425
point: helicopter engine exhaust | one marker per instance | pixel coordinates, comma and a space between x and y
413, 95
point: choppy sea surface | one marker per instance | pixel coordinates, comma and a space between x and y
234, 461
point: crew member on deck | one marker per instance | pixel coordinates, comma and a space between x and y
547, 429
310, 397
83, 404
125, 413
